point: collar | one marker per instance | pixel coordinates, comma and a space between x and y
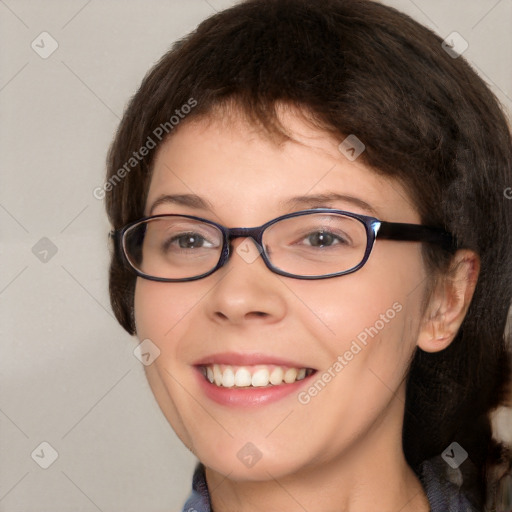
443, 487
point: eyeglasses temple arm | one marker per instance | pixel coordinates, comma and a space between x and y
417, 233
115, 236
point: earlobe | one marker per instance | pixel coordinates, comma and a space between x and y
449, 302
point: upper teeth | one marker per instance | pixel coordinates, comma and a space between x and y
258, 376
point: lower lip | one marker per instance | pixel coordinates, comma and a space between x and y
247, 397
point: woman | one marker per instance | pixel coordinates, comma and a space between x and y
311, 233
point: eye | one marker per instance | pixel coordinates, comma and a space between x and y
188, 241
323, 239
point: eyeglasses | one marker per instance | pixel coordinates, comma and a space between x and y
311, 244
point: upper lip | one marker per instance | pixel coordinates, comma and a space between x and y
240, 359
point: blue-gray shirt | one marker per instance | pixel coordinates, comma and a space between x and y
443, 487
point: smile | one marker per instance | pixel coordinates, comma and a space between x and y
230, 376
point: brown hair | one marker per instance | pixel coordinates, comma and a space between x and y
426, 119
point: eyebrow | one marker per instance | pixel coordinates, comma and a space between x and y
190, 200
309, 201
320, 200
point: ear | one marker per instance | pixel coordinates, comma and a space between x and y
449, 302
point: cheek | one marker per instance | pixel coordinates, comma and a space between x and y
162, 314
368, 322
378, 306
162, 309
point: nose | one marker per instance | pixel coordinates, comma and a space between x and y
246, 292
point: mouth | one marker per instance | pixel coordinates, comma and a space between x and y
253, 376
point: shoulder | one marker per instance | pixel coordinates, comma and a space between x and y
199, 499
449, 489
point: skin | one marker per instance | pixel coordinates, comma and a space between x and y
347, 440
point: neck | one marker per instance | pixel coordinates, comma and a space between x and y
372, 473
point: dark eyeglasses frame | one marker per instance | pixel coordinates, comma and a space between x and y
375, 228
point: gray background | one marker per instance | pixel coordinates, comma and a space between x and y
69, 376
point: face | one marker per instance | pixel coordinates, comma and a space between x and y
357, 332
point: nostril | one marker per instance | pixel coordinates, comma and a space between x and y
251, 315
257, 314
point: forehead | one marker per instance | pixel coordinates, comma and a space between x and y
239, 171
